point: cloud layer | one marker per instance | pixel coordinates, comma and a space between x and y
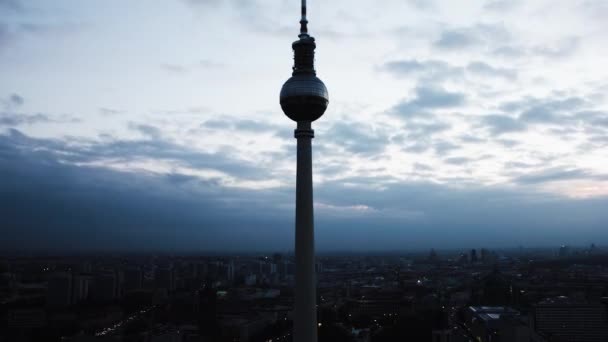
485, 123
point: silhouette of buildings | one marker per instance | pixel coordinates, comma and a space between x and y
497, 324
80, 288
105, 287
59, 292
530, 295
165, 278
564, 319
564, 251
133, 279
473, 255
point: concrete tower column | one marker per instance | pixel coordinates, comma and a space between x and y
305, 313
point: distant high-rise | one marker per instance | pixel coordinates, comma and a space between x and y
134, 279
433, 257
304, 99
105, 287
59, 290
207, 313
592, 249
228, 270
80, 288
165, 278
564, 251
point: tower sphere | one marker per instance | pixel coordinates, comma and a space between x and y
304, 97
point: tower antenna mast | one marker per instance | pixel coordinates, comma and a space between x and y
303, 21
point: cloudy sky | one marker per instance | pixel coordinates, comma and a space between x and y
156, 124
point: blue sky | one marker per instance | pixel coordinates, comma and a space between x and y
156, 124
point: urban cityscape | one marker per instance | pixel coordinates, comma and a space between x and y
151, 190
519, 294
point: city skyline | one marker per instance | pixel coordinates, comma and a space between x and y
119, 126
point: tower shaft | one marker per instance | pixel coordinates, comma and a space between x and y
305, 311
304, 99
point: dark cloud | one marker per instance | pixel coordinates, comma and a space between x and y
594, 118
595, 9
5, 35
557, 102
357, 138
181, 155
254, 126
147, 130
567, 112
552, 110
418, 130
559, 49
539, 115
497, 39
232, 123
433, 70
152, 148
427, 71
457, 160
457, 39
37, 29
485, 69
427, 98
18, 27
602, 140
11, 117
56, 206
508, 142
468, 138
557, 174
51, 205
430, 69
508, 51
217, 124
16, 99
467, 37
11, 6
16, 119
476, 214
422, 167
417, 147
444, 147
422, 4
420, 139
435, 97
179, 179
519, 165
500, 124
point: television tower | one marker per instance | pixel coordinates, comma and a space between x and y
304, 99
